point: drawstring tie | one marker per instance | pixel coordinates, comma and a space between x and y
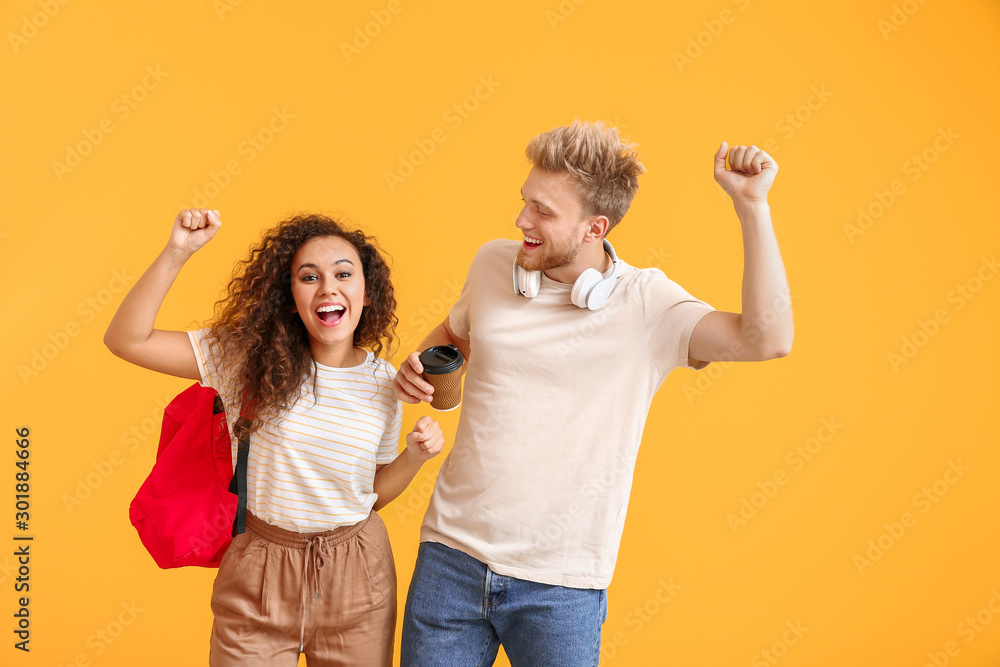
315, 558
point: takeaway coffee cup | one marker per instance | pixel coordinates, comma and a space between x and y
443, 369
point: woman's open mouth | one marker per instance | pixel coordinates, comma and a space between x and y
330, 315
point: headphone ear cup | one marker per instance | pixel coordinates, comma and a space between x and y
600, 294
583, 287
526, 283
532, 283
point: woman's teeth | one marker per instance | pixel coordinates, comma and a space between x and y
330, 313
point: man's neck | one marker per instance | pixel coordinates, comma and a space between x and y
568, 274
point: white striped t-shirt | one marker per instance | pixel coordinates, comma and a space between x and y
315, 470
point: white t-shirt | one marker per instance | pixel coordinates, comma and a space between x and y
555, 400
316, 470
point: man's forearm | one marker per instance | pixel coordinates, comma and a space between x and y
439, 335
766, 319
443, 335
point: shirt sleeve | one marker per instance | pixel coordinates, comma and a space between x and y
460, 318
213, 375
207, 358
671, 315
388, 448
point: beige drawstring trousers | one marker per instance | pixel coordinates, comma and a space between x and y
330, 595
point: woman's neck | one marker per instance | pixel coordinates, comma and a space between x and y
344, 358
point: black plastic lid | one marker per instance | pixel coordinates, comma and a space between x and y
441, 359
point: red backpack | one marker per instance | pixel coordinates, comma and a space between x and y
184, 512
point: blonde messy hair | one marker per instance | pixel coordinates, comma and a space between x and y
605, 167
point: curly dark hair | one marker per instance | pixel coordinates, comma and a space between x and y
259, 337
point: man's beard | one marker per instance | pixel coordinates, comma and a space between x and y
548, 258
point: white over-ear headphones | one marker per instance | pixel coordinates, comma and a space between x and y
590, 290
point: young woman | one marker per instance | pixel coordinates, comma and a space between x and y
296, 338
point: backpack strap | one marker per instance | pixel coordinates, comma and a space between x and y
239, 483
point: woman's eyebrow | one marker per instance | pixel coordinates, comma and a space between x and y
310, 265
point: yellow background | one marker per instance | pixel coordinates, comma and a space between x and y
847, 93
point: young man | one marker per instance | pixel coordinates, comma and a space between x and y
521, 536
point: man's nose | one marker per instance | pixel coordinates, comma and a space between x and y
522, 219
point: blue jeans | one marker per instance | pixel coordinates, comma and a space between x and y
459, 612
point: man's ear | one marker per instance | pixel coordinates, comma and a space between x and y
597, 228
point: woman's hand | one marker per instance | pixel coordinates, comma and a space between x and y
193, 228
426, 440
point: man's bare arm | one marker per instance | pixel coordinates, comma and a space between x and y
764, 329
